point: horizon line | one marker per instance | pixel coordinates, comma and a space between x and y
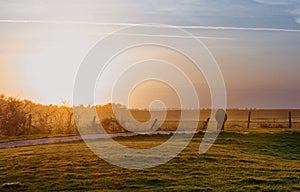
143, 108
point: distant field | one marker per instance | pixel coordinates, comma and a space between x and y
265, 120
262, 160
237, 119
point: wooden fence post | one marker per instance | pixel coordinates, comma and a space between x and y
94, 122
29, 123
249, 118
290, 120
206, 123
151, 129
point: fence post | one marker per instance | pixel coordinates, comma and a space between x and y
205, 124
290, 119
151, 128
94, 122
249, 118
29, 123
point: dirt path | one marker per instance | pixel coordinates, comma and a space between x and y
39, 141
77, 138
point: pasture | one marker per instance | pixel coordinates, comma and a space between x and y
260, 160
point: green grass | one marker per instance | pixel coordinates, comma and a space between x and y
258, 161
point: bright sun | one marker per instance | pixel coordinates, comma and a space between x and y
52, 64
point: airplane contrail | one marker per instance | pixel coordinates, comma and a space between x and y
171, 36
148, 25
115, 24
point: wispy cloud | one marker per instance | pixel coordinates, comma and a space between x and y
295, 3
297, 13
276, 2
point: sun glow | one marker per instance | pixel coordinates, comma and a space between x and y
52, 64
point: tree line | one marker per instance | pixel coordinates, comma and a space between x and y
24, 117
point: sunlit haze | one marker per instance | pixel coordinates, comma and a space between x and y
256, 44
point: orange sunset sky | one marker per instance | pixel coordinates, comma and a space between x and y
256, 44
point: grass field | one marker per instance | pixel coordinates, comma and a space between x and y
258, 161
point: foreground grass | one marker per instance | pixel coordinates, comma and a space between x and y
257, 161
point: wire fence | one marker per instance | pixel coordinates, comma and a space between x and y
241, 119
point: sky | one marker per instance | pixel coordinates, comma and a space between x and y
256, 44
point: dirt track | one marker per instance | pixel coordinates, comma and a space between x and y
77, 138
38, 141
